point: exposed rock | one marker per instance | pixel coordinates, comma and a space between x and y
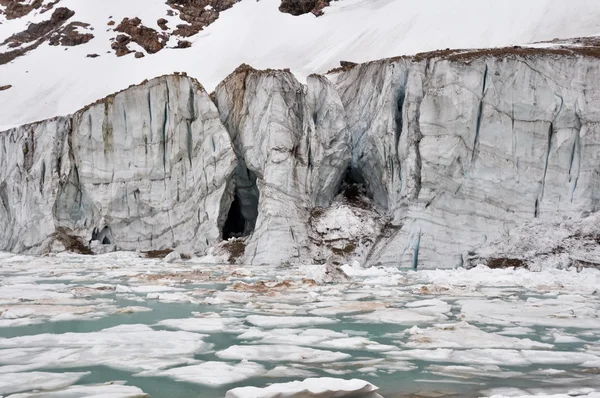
183, 44
70, 36
11, 55
146, 168
139, 54
148, 38
198, 14
17, 8
120, 45
92, 55
5, 87
186, 30
300, 7
36, 31
36, 34
162, 23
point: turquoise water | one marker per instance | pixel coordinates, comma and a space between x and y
392, 384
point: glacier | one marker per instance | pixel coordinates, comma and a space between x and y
453, 149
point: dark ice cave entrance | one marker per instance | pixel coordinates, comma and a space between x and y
104, 236
235, 222
243, 212
353, 186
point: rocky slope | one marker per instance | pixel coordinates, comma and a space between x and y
413, 161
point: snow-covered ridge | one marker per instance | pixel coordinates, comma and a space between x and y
452, 151
52, 81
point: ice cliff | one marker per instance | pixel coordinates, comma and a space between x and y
145, 168
453, 150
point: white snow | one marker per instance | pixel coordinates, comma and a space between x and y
205, 325
127, 347
51, 81
289, 321
11, 383
317, 388
109, 390
280, 353
212, 373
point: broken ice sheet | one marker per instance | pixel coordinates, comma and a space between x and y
317, 388
11, 383
108, 390
213, 324
276, 321
212, 373
131, 348
464, 335
277, 353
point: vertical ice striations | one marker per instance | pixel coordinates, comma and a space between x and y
486, 143
454, 148
292, 147
144, 169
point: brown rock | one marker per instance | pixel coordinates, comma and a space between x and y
183, 44
300, 7
111, 23
120, 45
70, 36
16, 8
197, 16
148, 38
162, 23
36, 31
186, 30
5, 87
139, 54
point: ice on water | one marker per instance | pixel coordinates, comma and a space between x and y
493, 332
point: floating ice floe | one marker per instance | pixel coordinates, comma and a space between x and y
279, 353
131, 348
548, 312
315, 388
206, 324
289, 321
464, 335
397, 316
212, 373
11, 383
498, 357
570, 395
321, 338
109, 390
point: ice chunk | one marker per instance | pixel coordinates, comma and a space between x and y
396, 316
280, 353
206, 325
212, 373
11, 383
109, 390
132, 348
289, 321
463, 335
316, 388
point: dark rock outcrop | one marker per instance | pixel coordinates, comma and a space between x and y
198, 14
300, 7
148, 38
36, 31
69, 36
